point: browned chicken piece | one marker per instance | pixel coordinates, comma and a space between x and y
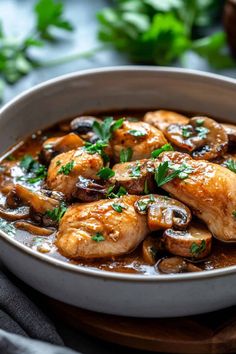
209, 190
162, 119
141, 137
98, 230
54, 146
65, 169
136, 176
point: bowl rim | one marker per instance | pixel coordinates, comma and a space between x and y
66, 266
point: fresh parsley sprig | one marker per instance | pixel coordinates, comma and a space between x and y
231, 165
105, 129
164, 175
57, 213
157, 152
35, 172
126, 155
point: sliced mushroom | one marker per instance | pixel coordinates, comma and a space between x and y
136, 176
37, 201
163, 211
17, 214
162, 119
89, 190
151, 248
54, 146
83, 124
203, 137
231, 132
193, 243
33, 229
174, 265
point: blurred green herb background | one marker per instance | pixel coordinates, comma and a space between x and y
159, 32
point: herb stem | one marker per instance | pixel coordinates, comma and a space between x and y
76, 56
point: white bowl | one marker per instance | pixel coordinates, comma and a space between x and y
106, 89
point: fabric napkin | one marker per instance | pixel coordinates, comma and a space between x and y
20, 320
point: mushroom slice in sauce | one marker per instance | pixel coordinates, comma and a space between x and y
162, 119
173, 265
136, 176
89, 190
231, 132
33, 229
151, 248
84, 127
13, 215
203, 137
141, 137
164, 212
194, 242
54, 146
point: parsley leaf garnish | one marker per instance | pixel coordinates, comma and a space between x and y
66, 169
126, 155
36, 171
142, 204
231, 165
118, 207
234, 213
186, 132
98, 237
57, 213
136, 170
162, 176
197, 249
202, 132
137, 133
105, 129
49, 14
106, 173
121, 191
145, 190
157, 152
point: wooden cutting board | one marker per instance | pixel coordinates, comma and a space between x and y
209, 333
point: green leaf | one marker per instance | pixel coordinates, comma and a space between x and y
36, 172
231, 165
98, 237
106, 173
137, 133
49, 14
66, 169
157, 152
136, 170
121, 191
118, 207
162, 175
57, 213
197, 249
105, 129
126, 155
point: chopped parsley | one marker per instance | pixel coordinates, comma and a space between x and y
137, 133
157, 152
142, 204
118, 207
162, 175
231, 165
136, 170
197, 249
7, 227
58, 163
202, 132
200, 122
186, 132
37, 171
98, 237
121, 191
57, 213
106, 173
66, 169
105, 129
126, 155
234, 213
98, 147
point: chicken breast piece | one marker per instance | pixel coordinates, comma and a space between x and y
162, 119
141, 137
65, 169
97, 230
209, 191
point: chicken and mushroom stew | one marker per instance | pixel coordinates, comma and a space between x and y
135, 192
